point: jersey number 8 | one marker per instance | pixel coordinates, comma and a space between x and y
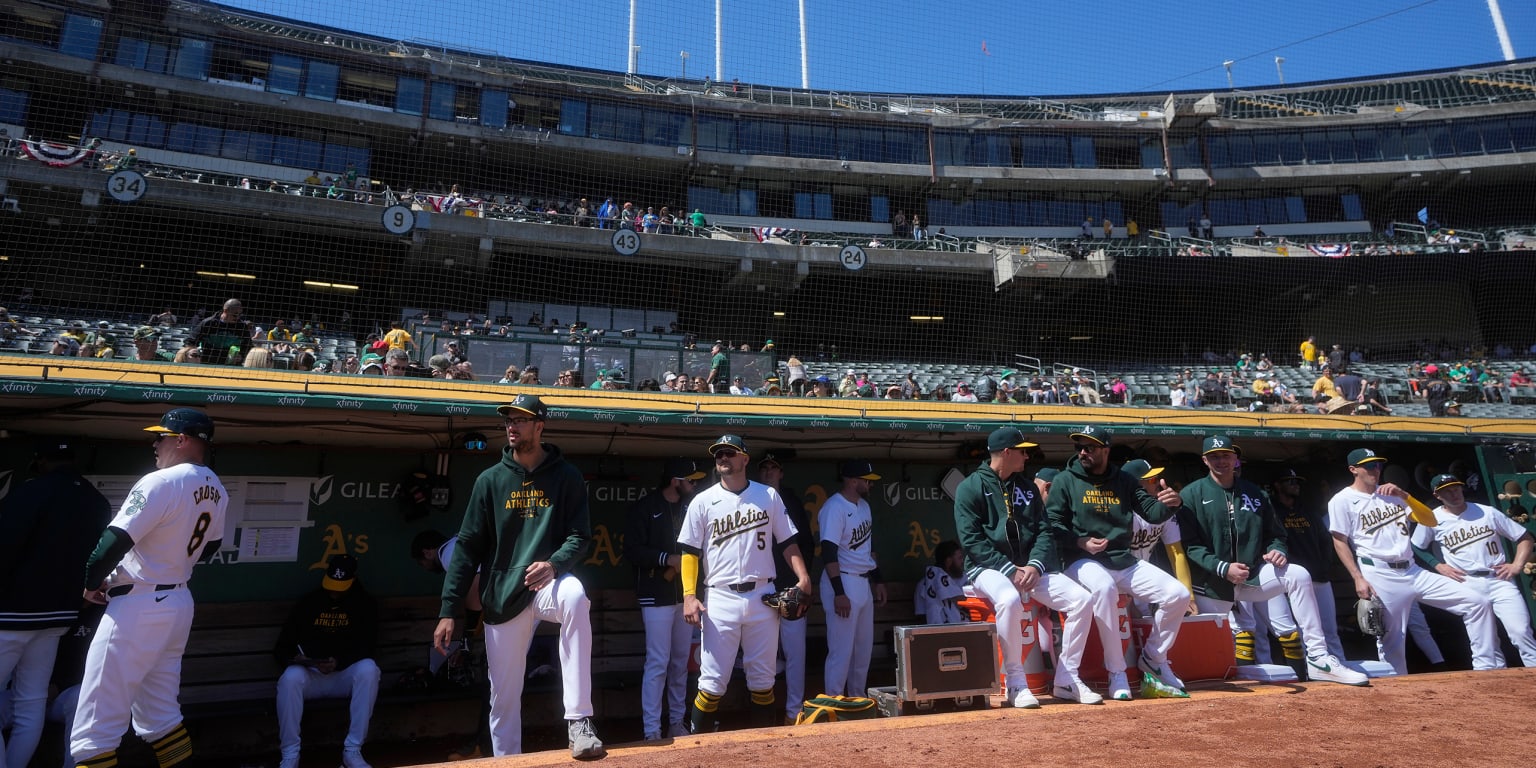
199, 532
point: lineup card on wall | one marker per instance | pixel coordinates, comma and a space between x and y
264, 516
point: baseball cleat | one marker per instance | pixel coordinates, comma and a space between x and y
1328, 668
1163, 672
583, 740
1154, 688
353, 758
1077, 691
289, 761
1021, 698
1119, 686
679, 729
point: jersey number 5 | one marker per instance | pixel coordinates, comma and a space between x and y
762, 540
199, 532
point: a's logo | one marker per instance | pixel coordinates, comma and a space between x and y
339, 574
5, 482
892, 493
320, 490
1217, 442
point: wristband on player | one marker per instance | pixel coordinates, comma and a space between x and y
837, 584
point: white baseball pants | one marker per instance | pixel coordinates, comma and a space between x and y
506, 651
1141, 581
359, 682
667, 641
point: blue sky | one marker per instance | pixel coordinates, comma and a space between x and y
1037, 47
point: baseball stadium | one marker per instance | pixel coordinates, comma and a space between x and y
411, 216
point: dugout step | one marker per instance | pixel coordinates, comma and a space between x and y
890, 704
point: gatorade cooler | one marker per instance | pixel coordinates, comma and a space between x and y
977, 607
1204, 649
1092, 668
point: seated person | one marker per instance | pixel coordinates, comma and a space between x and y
328, 644
938, 594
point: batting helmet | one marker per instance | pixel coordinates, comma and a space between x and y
791, 603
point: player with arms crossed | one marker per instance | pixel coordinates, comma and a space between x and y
733, 526
1467, 536
172, 520
1012, 556
1372, 518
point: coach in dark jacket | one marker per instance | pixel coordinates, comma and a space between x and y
650, 545
48, 528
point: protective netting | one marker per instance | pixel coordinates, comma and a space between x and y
500, 174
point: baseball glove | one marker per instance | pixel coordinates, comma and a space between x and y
1372, 616
791, 603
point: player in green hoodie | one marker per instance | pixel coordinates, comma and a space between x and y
525, 528
1091, 507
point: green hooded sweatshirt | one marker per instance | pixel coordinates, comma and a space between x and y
1099, 506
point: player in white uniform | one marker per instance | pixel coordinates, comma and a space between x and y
942, 587
733, 527
1145, 535
851, 586
1466, 538
172, 519
1370, 521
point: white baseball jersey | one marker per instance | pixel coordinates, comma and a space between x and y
849, 525
736, 533
1145, 535
1376, 525
1470, 541
170, 514
937, 594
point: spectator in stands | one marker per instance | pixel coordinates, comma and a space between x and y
1309, 353
397, 363
1519, 378
607, 214
188, 354
1264, 363
1349, 384
1337, 359
454, 352
1087, 227
683, 383
649, 221
939, 393
697, 220
530, 377
963, 394
1109, 228
398, 337
719, 378
1177, 396
223, 338
1324, 390
1491, 385
328, 643
849, 386
1206, 230
918, 232
146, 345
899, 224
909, 388
463, 371
280, 331
1213, 391
1263, 389
1119, 391
628, 216
1088, 390
795, 372
259, 357
510, 375
986, 387
163, 318
1371, 399
739, 387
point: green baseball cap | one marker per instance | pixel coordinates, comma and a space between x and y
1142, 469
729, 441
1361, 456
528, 404
1099, 435
1047, 474
1217, 444
1445, 481
1004, 438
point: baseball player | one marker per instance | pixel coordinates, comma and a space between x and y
1370, 523
650, 545
1012, 556
1146, 536
172, 519
733, 527
1467, 538
770, 472
525, 527
433, 551
1092, 507
852, 577
47, 529
1308, 545
1238, 550
938, 594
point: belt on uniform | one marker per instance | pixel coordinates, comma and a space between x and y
125, 589
1486, 574
1401, 565
863, 575
742, 588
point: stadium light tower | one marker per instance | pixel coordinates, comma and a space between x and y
684, 56
1228, 65
805, 66
719, 53
634, 50
1500, 30
1279, 70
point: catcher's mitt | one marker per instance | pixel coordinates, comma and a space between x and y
790, 603
1372, 616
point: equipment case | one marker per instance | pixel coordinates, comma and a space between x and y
946, 661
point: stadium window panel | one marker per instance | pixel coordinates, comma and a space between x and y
1391, 141
130, 52
1240, 150
1274, 210
192, 58
444, 96
1151, 152
1496, 135
906, 146
1186, 154
1323, 207
1440, 142
235, 144
1116, 152
1266, 149
949, 148
1341, 145
81, 36
259, 147
1220, 148
813, 205
774, 199
1354, 210
746, 202
573, 117
493, 108
879, 208
13, 107
665, 128
320, 80
1416, 142
1522, 132
181, 137
285, 74
146, 131
716, 133
1468, 137
1082, 152
1316, 143
1367, 146
410, 94
762, 137
850, 204
207, 139
812, 140
1295, 210
1290, 148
